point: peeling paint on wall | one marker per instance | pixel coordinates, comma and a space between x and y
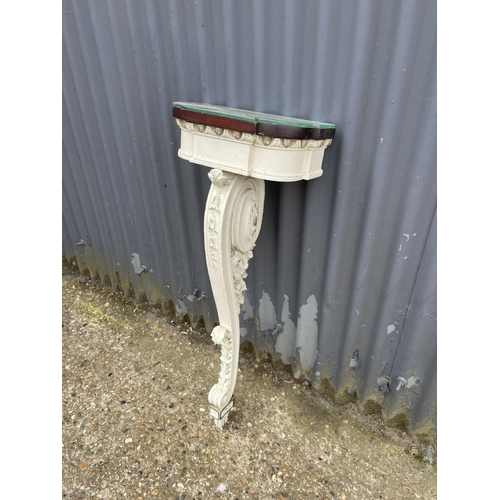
267, 313
138, 267
412, 381
136, 262
181, 307
246, 307
307, 333
286, 339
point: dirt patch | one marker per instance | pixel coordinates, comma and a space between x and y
136, 424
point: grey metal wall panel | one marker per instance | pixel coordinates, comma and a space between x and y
344, 262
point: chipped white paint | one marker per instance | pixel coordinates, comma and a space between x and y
390, 329
246, 307
267, 313
233, 218
285, 344
181, 307
407, 236
412, 381
136, 262
307, 333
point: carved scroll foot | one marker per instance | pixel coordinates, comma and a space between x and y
233, 217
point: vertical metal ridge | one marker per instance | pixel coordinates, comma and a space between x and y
76, 227
260, 29
148, 139
105, 160
95, 201
428, 236
416, 354
122, 86
360, 32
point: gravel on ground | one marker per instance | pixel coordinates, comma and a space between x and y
136, 423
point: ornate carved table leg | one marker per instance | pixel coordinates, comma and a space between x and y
233, 217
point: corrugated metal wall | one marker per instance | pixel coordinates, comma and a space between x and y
344, 262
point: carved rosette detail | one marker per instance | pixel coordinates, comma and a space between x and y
258, 140
233, 217
253, 219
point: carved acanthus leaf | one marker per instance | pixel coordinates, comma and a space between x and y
222, 336
218, 178
240, 264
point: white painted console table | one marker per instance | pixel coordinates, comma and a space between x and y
243, 148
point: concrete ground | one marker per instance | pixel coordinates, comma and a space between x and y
136, 423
